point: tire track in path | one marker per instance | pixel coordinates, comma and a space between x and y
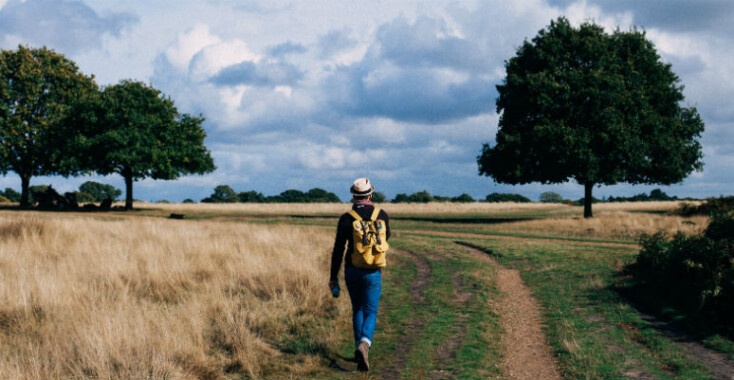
448, 350
415, 325
526, 352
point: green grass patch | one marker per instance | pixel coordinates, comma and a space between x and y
721, 344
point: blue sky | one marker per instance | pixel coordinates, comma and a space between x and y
304, 94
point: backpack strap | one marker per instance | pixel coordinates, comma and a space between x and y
375, 213
355, 215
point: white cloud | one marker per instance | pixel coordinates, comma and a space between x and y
285, 90
316, 93
581, 12
214, 57
188, 44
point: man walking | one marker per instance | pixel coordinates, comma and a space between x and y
363, 263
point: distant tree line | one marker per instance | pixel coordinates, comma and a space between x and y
425, 197
89, 191
226, 194
55, 120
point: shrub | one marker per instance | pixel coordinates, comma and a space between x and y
34, 190
551, 197
378, 197
4, 199
707, 207
506, 197
695, 274
317, 195
419, 197
188, 200
250, 197
580, 202
83, 197
655, 195
222, 194
99, 191
11, 194
463, 198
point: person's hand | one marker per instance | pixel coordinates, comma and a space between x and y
332, 284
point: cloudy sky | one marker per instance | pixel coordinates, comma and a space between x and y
304, 94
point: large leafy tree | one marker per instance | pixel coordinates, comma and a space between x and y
137, 132
580, 104
38, 89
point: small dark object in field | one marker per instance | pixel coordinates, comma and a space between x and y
176, 216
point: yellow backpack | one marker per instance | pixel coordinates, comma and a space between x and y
370, 241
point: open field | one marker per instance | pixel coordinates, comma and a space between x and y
238, 291
150, 298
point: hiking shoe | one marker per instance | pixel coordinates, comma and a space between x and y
362, 356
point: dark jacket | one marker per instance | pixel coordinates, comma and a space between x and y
344, 236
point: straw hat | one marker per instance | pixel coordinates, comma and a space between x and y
362, 187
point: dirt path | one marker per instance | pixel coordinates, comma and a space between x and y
417, 298
526, 353
520, 239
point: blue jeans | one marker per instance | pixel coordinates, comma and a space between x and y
364, 286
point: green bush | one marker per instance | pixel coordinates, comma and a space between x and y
250, 197
222, 194
83, 197
695, 274
463, 198
378, 197
11, 194
99, 191
705, 208
551, 197
419, 197
4, 199
655, 195
507, 197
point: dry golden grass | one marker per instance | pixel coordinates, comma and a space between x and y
152, 298
609, 225
443, 208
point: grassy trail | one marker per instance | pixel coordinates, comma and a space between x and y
443, 321
434, 320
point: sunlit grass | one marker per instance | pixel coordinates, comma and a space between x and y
153, 298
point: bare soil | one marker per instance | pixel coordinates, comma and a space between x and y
526, 353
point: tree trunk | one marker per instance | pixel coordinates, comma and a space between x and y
587, 199
128, 191
25, 182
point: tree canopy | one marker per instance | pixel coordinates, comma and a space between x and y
99, 191
38, 90
506, 197
580, 104
138, 133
